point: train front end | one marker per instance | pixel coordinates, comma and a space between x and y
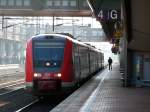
45, 64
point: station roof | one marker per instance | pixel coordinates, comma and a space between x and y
108, 12
45, 8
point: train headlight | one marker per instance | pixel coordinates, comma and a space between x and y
58, 75
37, 75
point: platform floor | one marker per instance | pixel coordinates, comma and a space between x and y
104, 93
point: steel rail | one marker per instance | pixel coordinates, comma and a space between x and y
27, 106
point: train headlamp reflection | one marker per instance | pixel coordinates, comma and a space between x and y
37, 75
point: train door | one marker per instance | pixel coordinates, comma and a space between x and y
76, 62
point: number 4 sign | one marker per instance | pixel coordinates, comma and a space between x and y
112, 14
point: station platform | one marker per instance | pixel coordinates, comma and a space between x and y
10, 69
104, 93
9, 66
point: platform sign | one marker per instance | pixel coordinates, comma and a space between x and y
109, 14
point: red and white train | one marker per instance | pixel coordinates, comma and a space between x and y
56, 63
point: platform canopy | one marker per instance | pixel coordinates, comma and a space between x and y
108, 12
44, 8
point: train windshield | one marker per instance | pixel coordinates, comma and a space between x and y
48, 55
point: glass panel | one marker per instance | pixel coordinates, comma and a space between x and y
27, 2
48, 55
49, 3
18, 2
10, 2
73, 3
3, 2
94, 33
65, 3
57, 3
85, 4
51, 48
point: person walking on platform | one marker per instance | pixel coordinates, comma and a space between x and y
110, 63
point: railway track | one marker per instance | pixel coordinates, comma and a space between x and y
6, 88
11, 83
11, 78
44, 105
11, 74
27, 107
13, 100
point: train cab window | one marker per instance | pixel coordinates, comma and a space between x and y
48, 55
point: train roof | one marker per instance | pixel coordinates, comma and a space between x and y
67, 36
